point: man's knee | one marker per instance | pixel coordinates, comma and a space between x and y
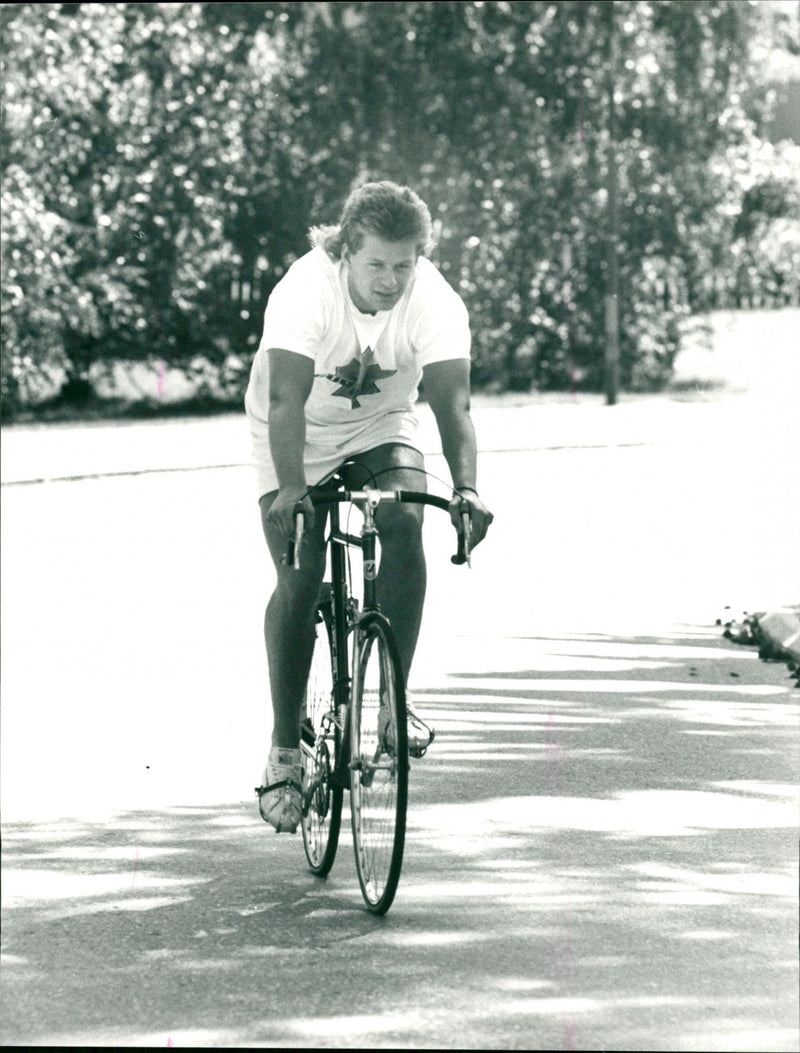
297, 589
302, 584
400, 525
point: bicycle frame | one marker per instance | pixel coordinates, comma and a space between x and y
344, 605
339, 540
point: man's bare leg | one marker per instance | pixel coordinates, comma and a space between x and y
289, 625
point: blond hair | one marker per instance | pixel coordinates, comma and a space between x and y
392, 212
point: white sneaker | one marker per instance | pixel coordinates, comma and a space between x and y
280, 797
420, 735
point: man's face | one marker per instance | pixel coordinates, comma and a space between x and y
379, 272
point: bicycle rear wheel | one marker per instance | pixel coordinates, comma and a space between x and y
320, 747
379, 764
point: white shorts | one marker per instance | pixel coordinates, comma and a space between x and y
319, 461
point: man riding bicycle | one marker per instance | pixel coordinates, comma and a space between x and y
349, 333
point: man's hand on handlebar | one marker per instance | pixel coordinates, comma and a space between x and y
282, 513
468, 502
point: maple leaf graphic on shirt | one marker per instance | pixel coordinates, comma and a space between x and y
358, 378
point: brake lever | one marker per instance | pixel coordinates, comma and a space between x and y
295, 543
464, 555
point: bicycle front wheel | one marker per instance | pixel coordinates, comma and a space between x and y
378, 764
320, 747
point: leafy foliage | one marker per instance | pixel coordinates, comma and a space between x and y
163, 162
116, 157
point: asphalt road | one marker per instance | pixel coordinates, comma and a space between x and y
602, 844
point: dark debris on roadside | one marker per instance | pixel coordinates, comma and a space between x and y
776, 634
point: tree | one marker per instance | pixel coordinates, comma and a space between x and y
497, 112
166, 161
121, 137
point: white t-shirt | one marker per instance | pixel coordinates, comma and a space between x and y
367, 368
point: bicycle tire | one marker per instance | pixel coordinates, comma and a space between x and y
379, 763
320, 748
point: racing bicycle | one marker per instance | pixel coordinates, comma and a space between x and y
354, 732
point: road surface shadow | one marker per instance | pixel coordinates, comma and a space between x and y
601, 855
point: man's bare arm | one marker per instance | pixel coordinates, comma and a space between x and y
448, 394
291, 377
